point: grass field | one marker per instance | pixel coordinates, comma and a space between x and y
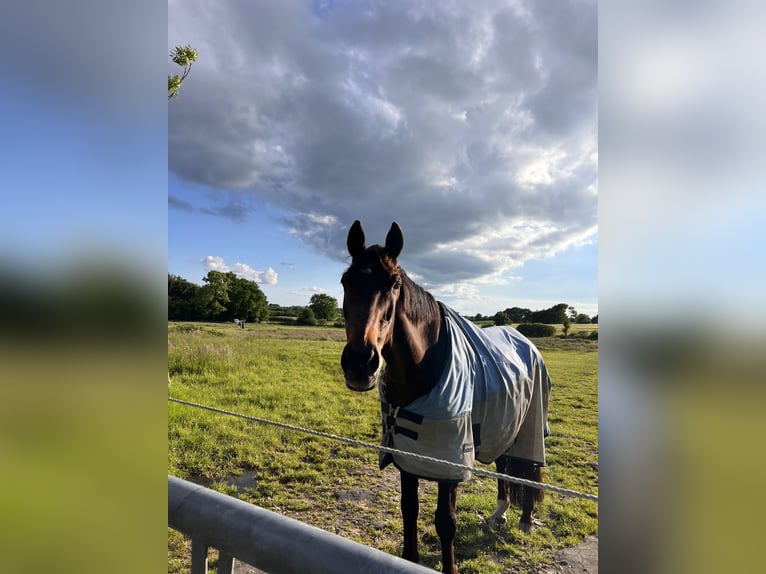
292, 374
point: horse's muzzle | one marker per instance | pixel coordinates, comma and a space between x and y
360, 367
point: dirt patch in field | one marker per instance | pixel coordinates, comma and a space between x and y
581, 559
247, 479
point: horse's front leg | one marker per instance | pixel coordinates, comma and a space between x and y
409, 505
446, 524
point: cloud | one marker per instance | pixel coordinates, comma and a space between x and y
221, 203
474, 125
268, 277
229, 206
180, 204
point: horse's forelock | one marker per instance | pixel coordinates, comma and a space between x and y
372, 256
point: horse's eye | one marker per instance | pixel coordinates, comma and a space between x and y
387, 317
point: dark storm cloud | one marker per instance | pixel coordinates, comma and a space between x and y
180, 204
472, 124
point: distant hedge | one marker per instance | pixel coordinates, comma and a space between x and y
307, 317
536, 330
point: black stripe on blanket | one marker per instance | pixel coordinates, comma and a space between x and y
409, 433
410, 416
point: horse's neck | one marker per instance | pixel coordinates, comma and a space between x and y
414, 359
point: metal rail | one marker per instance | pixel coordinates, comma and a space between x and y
271, 542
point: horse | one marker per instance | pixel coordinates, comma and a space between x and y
391, 319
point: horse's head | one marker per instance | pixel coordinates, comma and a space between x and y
371, 287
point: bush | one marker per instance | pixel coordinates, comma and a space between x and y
536, 330
593, 335
501, 318
306, 317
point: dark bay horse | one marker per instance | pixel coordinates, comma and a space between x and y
390, 318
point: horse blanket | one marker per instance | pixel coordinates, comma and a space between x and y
491, 399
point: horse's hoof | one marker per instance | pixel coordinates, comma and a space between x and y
496, 521
526, 527
498, 516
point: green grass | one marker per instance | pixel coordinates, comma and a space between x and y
292, 374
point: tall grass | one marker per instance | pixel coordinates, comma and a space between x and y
292, 375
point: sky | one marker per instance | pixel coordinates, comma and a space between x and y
472, 125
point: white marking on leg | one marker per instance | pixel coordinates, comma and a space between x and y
498, 518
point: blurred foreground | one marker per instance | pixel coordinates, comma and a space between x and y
82, 422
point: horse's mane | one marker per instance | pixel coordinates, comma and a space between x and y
417, 303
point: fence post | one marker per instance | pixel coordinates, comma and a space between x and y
225, 563
199, 557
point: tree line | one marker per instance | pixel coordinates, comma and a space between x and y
225, 297
560, 314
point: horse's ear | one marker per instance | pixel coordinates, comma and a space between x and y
394, 241
355, 239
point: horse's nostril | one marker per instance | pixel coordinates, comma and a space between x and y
344, 358
374, 362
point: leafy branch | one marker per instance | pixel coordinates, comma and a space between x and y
183, 56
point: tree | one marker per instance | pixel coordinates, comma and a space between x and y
566, 323
325, 308
184, 56
551, 316
213, 297
181, 297
594, 319
306, 317
582, 318
247, 301
517, 314
501, 318
226, 297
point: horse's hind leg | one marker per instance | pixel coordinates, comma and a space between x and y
526, 496
410, 507
498, 517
